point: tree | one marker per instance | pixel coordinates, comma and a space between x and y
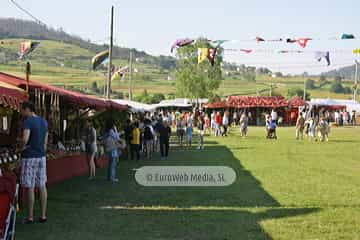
94, 87
310, 84
336, 87
338, 78
323, 80
195, 80
298, 92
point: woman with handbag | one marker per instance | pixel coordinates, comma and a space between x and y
111, 146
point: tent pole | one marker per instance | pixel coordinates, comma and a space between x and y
108, 89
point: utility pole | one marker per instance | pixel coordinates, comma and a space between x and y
108, 89
28, 72
130, 75
304, 96
356, 80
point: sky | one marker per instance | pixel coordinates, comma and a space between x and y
154, 25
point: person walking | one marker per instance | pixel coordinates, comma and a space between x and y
165, 133
201, 129
244, 121
148, 138
128, 135
300, 125
225, 123
135, 142
218, 122
33, 169
91, 148
111, 146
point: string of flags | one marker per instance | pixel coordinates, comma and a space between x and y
98, 59
210, 53
26, 48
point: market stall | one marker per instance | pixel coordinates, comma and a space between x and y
292, 113
10, 99
66, 112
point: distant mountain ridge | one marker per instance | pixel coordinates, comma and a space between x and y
17, 28
345, 72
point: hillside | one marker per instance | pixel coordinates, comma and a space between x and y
16, 28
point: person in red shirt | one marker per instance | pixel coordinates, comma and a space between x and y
218, 121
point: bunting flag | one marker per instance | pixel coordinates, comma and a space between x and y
259, 39
303, 41
181, 43
99, 58
218, 43
211, 55
320, 55
290, 51
246, 51
26, 48
356, 51
347, 36
119, 73
203, 54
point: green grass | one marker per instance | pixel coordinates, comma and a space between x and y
285, 189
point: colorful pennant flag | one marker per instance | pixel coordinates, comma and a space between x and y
202, 54
211, 55
99, 58
181, 43
26, 48
246, 51
320, 55
347, 36
356, 51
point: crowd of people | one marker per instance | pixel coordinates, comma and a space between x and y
144, 134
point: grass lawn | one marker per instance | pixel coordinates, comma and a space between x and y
285, 189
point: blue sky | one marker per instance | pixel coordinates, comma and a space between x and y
153, 25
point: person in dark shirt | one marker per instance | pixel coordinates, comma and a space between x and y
128, 135
164, 132
33, 169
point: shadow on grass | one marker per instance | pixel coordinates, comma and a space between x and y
87, 209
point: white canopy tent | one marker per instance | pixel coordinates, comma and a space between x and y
136, 106
180, 102
351, 105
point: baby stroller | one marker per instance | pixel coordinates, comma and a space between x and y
271, 133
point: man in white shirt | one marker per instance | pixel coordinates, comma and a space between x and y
274, 115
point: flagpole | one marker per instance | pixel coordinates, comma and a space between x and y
108, 89
28, 72
356, 80
130, 75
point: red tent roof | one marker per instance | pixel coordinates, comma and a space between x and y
75, 98
219, 104
296, 102
11, 96
254, 101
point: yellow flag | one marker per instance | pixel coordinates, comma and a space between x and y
356, 51
202, 54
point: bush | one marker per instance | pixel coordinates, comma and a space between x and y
337, 87
298, 92
310, 84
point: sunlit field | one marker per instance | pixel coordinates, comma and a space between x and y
285, 189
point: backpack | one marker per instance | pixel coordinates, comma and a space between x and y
148, 134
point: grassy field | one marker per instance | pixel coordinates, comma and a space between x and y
285, 189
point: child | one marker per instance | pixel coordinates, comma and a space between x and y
189, 131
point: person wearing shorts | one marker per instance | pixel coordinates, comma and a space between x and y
33, 169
